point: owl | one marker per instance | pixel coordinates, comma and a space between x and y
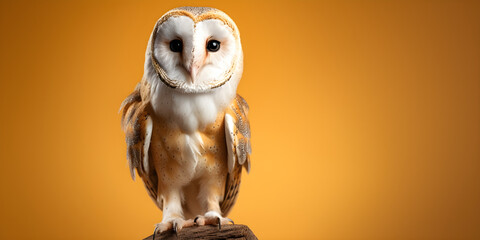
187, 132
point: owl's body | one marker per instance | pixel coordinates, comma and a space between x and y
186, 128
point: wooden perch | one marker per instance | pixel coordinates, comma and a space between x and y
208, 232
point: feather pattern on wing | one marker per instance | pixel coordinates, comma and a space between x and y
137, 124
237, 133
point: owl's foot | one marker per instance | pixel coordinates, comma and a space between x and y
176, 224
212, 218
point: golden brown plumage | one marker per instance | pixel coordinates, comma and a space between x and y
134, 114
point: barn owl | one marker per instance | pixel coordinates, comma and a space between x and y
187, 132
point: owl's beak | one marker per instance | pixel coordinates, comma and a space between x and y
193, 72
193, 67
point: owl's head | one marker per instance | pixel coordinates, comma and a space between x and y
194, 50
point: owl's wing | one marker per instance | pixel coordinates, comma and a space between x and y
138, 125
237, 134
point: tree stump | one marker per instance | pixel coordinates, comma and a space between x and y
208, 232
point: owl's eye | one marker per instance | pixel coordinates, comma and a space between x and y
213, 45
176, 45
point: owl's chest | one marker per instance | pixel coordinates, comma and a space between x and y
181, 157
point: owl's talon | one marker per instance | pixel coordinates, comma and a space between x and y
174, 224
212, 219
154, 232
175, 228
199, 221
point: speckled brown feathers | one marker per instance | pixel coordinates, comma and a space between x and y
135, 112
231, 190
238, 110
241, 133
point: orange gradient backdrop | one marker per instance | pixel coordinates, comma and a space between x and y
365, 118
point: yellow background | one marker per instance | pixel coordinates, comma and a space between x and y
365, 118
